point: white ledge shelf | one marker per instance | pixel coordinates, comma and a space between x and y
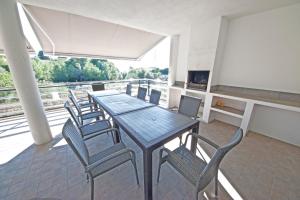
228, 111
196, 91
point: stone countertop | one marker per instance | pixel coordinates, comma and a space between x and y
277, 99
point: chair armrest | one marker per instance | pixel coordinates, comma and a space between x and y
92, 135
86, 104
166, 150
100, 113
111, 156
83, 99
201, 138
80, 127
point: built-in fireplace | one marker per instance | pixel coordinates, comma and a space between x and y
197, 80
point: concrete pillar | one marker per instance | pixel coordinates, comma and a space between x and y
173, 59
14, 44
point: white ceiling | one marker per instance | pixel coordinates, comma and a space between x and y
160, 16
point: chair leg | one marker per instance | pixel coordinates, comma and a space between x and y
216, 185
87, 178
196, 195
92, 188
180, 140
133, 161
159, 165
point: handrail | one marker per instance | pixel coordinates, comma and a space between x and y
53, 98
89, 83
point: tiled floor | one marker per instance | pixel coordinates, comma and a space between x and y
259, 168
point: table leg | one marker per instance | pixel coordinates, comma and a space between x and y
116, 136
147, 157
194, 140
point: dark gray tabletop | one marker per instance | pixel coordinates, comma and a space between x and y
151, 127
120, 103
103, 93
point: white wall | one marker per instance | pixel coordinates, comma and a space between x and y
220, 51
263, 51
182, 56
203, 44
277, 123
197, 47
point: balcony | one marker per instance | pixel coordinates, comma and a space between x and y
259, 168
230, 40
54, 95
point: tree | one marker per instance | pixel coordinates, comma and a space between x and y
164, 71
92, 73
73, 69
100, 63
59, 73
108, 69
3, 63
123, 75
149, 75
112, 73
5, 79
42, 69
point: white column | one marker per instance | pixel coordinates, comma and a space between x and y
173, 59
22, 73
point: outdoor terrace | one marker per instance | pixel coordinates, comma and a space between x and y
54, 95
258, 168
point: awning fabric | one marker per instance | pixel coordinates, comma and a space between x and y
74, 35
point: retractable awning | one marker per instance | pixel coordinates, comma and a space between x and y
66, 34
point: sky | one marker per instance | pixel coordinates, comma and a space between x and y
156, 57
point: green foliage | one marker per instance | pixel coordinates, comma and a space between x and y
3, 64
78, 69
92, 73
152, 73
5, 76
164, 71
136, 73
123, 75
5, 79
59, 72
42, 69
112, 73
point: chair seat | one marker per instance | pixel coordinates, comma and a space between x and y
110, 164
187, 163
91, 115
95, 127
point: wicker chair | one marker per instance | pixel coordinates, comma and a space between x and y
196, 171
83, 104
89, 129
86, 113
142, 92
101, 162
98, 86
128, 89
155, 97
188, 106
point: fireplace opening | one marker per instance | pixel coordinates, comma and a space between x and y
198, 80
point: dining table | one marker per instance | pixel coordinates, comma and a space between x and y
148, 125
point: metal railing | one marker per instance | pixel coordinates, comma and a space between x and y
54, 95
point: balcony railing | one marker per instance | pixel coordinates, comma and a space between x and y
54, 95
